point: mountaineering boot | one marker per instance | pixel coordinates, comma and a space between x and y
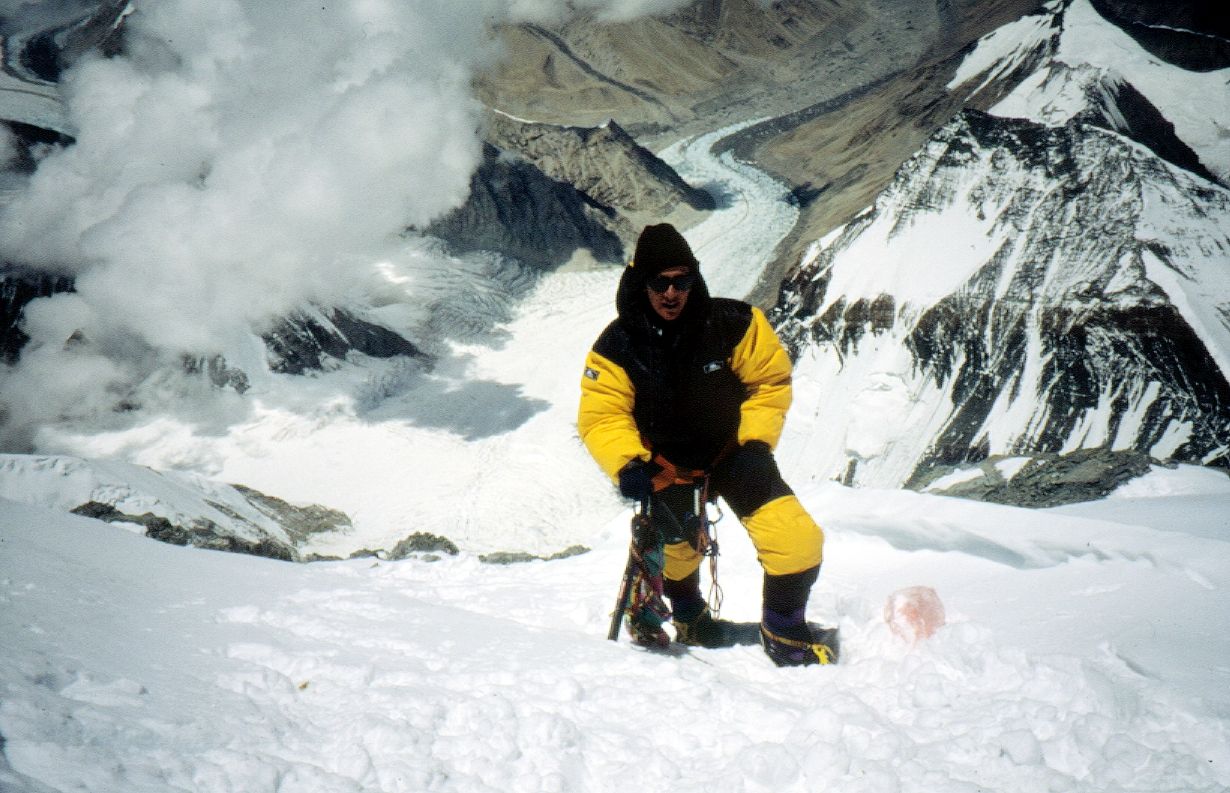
645, 621
695, 625
784, 633
645, 634
797, 649
704, 630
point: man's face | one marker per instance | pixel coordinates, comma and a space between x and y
669, 302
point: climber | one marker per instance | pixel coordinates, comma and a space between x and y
684, 390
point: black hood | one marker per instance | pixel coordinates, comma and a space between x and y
659, 248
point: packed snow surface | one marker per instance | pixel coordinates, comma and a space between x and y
1080, 653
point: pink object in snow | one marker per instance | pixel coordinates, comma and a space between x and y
914, 613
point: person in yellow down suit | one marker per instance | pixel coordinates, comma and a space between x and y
682, 386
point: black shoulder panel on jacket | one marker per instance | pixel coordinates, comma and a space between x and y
731, 318
687, 396
612, 343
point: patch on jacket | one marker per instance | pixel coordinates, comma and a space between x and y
592, 374
711, 367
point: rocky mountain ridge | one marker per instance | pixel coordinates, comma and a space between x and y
516, 209
850, 90
605, 163
1050, 324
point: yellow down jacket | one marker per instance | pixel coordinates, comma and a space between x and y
690, 390
695, 392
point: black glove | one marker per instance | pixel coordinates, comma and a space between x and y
636, 479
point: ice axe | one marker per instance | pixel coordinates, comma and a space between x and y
643, 537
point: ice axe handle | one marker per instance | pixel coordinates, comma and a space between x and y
625, 584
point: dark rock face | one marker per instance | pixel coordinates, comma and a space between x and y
201, 534
302, 343
518, 557
1091, 352
422, 543
219, 372
1193, 34
28, 141
605, 163
1120, 107
1092, 320
299, 522
40, 47
18, 286
518, 211
1052, 480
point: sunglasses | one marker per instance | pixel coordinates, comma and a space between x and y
661, 283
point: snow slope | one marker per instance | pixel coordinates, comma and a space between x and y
63, 484
1082, 654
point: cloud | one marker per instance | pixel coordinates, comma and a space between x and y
244, 155
239, 160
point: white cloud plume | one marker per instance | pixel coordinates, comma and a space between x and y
241, 159
245, 154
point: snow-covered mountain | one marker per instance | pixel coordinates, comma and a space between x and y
1028, 284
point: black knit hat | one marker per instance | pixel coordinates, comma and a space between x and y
659, 248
